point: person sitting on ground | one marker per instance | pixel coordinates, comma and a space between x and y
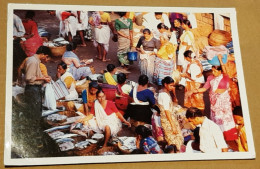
89, 96
211, 137
107, 116
146, 142
110, 77
122, 85
70, 83
78, 68
123, 99
139, 110
239, 120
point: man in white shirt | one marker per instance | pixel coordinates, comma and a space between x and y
152, 19
211, 137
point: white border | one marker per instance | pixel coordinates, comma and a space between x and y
122, 158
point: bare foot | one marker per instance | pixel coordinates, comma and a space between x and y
107, 60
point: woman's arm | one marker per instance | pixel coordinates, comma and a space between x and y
122, 119
223, 66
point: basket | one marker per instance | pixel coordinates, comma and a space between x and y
57, 51
215, 60
219, 37
80, 88
68, 113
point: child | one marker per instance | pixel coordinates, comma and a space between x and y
110, 77
146, 142
239, 120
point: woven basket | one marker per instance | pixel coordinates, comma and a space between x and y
80, 88
58, 51
219, 37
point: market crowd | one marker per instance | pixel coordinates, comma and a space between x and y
169, 60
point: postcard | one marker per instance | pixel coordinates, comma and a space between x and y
103, 84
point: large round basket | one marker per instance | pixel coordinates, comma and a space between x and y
219, 37
57, 51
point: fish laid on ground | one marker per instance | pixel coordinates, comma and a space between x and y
66, 146
64, 140
57, 128
91, 141
55, 134
98, 136
48, 112
67, 136
82, 144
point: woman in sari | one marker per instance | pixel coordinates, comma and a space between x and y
34, 41
124, 28
165, 60
149, 48
186, 43
139, 110
107, 116
220, 104
170, 124
194, 79
102, 22
68, 79
78, 70
68, 23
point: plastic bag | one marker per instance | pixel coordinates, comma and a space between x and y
49, 101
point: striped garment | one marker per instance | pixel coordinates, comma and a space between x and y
162, 68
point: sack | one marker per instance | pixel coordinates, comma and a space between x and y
49, 99
59, 88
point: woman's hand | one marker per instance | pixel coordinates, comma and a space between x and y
99, 26
47, 79
127, 123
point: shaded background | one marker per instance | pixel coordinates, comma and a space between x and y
248, 25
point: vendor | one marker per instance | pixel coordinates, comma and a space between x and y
107, 116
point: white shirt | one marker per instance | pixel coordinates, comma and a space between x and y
18, 28
211, 137
195, 70
150, 22
164, 99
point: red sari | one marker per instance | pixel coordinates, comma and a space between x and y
32, 44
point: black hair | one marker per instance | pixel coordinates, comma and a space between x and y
193, 112
99, 91
121, 78
187, 53
238, 111
63, 65
187, 22
158, 13
170, 148
143, 80
71, 46
110, 67
157, 109
143, 131
167, 80
44, 50
121, 14
94, 85
217, 67
179, 20
147, 30
29, 14
162, 26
